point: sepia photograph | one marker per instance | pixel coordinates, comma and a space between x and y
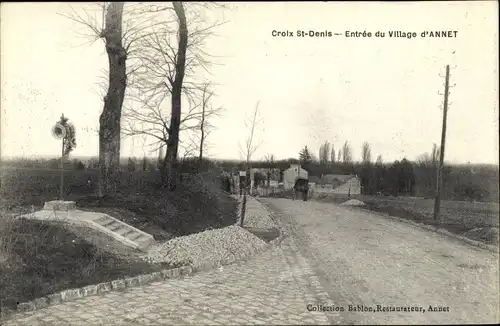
249, 163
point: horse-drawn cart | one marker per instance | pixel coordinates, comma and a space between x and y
301, 186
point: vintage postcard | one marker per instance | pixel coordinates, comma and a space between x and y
253, 163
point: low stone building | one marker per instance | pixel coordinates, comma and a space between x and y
291, 174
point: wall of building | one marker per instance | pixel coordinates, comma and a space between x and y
291, 174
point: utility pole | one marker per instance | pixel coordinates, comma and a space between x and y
439, 181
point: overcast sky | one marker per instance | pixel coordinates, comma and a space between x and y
311, 90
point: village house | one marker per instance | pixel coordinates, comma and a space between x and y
291, 174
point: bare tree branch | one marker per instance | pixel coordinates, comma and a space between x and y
160, 67
250, 147
148, 115
155, 72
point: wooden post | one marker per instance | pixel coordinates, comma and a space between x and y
439, 181
243, 208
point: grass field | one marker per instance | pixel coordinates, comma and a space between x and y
40, 258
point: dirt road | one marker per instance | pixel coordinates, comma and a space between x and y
374, 264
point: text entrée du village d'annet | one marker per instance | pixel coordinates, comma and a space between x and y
366, 34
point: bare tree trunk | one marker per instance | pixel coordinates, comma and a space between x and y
202, 139
175, 119
109, 128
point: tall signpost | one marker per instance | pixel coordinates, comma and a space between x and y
59, 132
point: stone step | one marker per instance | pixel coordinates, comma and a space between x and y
135, 236
144, 241
120, 231
102, 219
128, 232
124, 231
113, 227
108, 223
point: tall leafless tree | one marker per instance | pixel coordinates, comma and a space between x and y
435, 154
346, 153
110, 119
118, 44
250, 146
175, 117
430, 159
332, 155
270, 162
207, 111
366, 155
152, 120
428, 164
169, 59
324, 152
136, 26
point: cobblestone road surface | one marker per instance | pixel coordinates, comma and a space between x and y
331, 256
274, 287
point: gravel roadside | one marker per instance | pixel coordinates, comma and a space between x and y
257, 216
226, 244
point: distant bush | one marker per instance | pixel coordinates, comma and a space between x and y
131, 165
79, 165
192, 165
470, 192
